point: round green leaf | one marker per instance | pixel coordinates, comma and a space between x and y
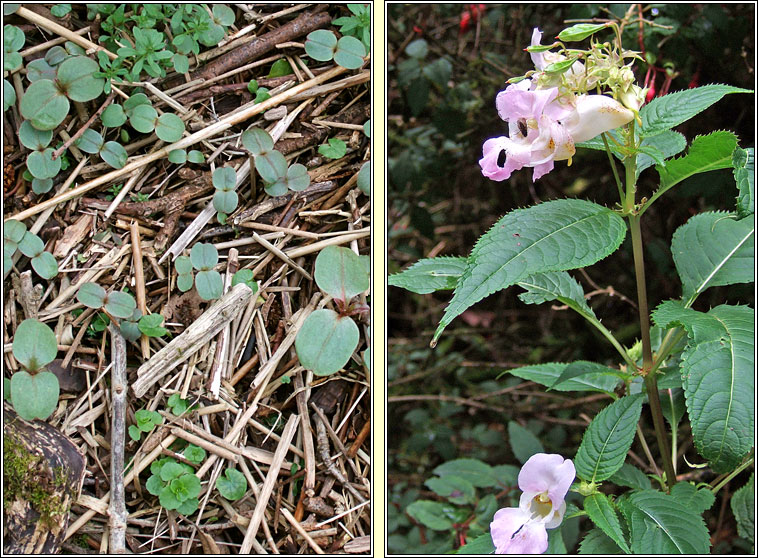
340, 273
90, 141
91, 295
45, 265
74, 49
11, 61
326, 341
60, 10
130, 331
171, 471
417, 49
232, 485
257, 141
194, 453
169, 127
114, 154
34, 345
225, 179
154, 484
223, 14
151, 325
278, 69
209, 284
43, 105
134, 101
271, 166
113, 116
33, 138
181, 63
186, 486
34, 396
184, 281
120, 305
364, 178
167, 499
278, 188
245, 276
183, 265
9, 9
13, 39
367, 128
204, 256
42, 185
334, 149
143, 118
13, 231
40, 69
195, 156
55, 56
42, 165
225, 202
320, 45
297, 177
76, 74
350, 53
188, 506
213, 36
178, 156
31, 245
9, 95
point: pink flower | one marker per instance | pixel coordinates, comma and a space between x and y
544, 480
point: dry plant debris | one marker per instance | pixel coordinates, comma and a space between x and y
200, 430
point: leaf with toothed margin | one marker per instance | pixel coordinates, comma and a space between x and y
553, 236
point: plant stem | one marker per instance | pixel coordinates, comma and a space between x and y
647, 354
731, 475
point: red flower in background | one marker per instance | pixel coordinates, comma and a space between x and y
470, 16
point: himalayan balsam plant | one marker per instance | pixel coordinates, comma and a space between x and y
588, 98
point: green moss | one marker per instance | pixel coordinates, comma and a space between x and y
25, 478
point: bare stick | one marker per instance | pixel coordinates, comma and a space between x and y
117, 509
192, 339
268, 485
216, 128
139, 279
310, 455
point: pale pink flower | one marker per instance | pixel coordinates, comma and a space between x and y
544, 480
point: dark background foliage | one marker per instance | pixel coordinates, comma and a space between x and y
441, 110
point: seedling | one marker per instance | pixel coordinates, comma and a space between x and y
327, 339
348, 52
232, 485
279, 68
13, 40
357, 25
364, 178
225, 199
208, 281
16, 237
334, 149
117, 304
151, 325
272, 166
175, 484
111, 152
146, 421
34, 390
178, 405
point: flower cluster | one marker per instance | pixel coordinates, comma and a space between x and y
544, 481
546, 119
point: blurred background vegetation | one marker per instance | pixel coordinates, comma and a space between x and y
446, 64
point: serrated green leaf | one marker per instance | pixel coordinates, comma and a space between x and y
476, 472
429, 275
688, 495
434, 515
553, 236
523, 443
596, 378
607, 439
454, 489
659, 524
326, 341
558, 285
743, 161
597, 542
480, 545
630, 476
601, 512
707, 153
663, 113
743, 508
713, 249
668, 143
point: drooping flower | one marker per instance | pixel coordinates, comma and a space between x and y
544, 481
